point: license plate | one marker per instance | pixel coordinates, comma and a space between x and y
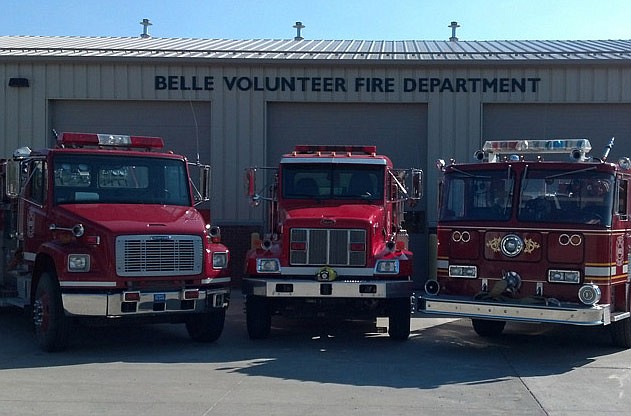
159, 297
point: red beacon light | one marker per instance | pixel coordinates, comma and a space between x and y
109, 140
304, 148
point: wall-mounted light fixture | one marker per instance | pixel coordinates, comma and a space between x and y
18, 82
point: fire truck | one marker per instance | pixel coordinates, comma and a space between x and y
523, 238
104, 228
334, 246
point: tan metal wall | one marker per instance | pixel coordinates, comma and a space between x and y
238, 130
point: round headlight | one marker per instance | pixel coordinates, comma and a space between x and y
589, 294
511, 245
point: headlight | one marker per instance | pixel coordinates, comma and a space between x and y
387, 267
220, 260
468, 272
267, 266
589, 294
564, 276
78, 262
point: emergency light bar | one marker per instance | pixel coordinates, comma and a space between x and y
537, 146
304, 148
114, 140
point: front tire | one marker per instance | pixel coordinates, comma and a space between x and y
399, 311
621, 333
206, 327
258, 317
488, 328
52, 327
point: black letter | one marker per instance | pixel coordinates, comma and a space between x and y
160, 82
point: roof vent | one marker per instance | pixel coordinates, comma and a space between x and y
453, 27
298, 26
145, 30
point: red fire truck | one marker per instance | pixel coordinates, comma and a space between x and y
105, 226
335, 245
523, 239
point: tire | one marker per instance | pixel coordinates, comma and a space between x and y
488, 328
621, 333
52, 327
206, 327
258, 317
399, 311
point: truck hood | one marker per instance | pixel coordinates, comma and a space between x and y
349, 215
135, 219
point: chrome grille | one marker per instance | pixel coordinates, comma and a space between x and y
158, 255
328, 246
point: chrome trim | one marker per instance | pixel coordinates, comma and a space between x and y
109, 304
339, 289
566, 314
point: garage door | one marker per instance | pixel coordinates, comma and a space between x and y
184, 126
398, 130
597, 122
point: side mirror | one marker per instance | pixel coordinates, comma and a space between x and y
250, 186
13, 178
204, 182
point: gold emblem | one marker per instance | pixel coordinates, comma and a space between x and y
494, 244
326, 274
530, 245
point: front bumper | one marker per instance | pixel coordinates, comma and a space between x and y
113, 305
564, 314
375, 289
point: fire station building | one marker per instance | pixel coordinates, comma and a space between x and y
240, 103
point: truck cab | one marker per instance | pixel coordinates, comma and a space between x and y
334, 243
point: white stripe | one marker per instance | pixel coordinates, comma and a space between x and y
600, 271
29, 256
86, 284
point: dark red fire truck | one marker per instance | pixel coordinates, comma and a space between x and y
525, 239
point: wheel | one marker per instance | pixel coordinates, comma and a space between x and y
258, 317
487, 328
621, 333
399, 311
52, 327
206, 327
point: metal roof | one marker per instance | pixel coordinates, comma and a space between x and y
314, 50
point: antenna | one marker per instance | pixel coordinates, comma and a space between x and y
196, 131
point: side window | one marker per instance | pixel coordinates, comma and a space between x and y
38, 181
622, 206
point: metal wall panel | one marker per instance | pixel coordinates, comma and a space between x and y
238, 130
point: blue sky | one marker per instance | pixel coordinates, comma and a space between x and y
324, 19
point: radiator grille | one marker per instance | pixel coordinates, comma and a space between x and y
333, 247
158, 255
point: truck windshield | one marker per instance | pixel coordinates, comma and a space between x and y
582, 196
339, 181
477, 195
120, 180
